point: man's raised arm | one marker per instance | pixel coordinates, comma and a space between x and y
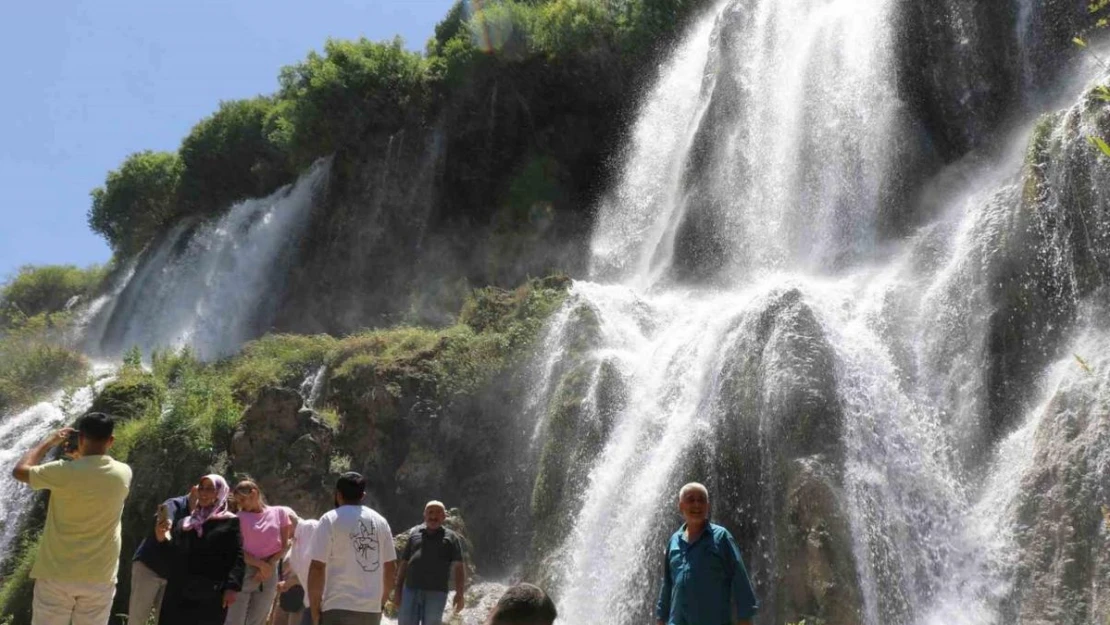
34, 456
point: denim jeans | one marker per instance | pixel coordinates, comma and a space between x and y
422, 607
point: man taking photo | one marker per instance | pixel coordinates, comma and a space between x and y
78, 557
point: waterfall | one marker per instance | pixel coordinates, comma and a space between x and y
210, 286
752, 323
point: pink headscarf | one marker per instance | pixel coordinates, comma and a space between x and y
218, 510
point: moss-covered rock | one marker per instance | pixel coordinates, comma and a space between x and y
132, 394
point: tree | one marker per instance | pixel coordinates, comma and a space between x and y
228, 157
355, 88
136, 201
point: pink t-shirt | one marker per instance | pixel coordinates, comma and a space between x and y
262, 530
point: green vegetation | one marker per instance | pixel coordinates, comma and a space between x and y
35, 356
36, 290
18, 589
32, 365
229, 156
355, 94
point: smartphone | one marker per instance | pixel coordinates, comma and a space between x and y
70, 445
162, 517
163, 513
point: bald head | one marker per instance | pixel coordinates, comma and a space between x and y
434, 514
523, 604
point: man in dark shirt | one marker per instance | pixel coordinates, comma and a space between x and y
704, 579
152, 563
431, 555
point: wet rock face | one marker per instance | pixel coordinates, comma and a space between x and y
776, 464
817, 575
287, 450
701, 247
956, 69
1063, 567
1056, 255
413, 444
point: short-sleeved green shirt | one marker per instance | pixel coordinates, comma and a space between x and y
81, 542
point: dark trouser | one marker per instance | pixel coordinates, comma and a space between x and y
349, 617
179, 610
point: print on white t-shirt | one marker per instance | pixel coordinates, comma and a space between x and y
365, 543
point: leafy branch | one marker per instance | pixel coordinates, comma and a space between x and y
1101, 92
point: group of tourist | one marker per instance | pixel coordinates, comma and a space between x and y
223, 556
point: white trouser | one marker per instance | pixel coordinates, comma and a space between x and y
83, 603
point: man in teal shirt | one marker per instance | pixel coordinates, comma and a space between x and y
704, 579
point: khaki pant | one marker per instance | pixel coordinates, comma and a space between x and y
147, 590
59, 603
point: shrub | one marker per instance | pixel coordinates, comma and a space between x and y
45, 289
34, 363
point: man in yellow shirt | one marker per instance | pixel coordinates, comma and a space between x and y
75, 570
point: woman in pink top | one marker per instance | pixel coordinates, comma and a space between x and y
266, 531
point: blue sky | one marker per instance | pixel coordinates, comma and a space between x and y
89, 82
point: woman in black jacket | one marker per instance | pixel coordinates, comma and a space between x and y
208, 562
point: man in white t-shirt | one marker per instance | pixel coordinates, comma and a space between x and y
353, 560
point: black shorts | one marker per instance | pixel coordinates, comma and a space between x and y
292, 600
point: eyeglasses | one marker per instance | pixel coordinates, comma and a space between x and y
244, 490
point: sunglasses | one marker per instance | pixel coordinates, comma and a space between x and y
244, 490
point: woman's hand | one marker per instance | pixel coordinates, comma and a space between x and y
265, 571
229, 597
162, 530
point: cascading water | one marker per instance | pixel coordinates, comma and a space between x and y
779, 161
210, 286
769, 335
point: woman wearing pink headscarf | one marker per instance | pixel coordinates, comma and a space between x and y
208, 559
